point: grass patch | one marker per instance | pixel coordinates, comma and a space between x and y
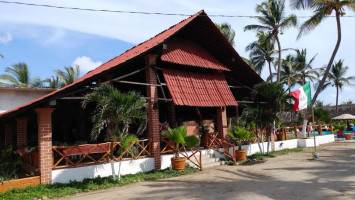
259, 157
44, 191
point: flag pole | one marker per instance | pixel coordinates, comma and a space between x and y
314, 133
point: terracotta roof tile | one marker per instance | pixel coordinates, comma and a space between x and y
196, 89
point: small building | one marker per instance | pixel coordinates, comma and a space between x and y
189, 74
12, 97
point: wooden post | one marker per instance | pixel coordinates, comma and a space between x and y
320, 130
296, 135
201, 168
307, 130
331, 129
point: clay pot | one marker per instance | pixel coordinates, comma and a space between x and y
240, 155
347, 136
178, 163
280, 137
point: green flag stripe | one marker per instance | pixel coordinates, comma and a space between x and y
307, 91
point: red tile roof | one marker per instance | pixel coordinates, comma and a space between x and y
196, 89
126, 56
186, 52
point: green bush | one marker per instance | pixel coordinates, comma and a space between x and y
9, 164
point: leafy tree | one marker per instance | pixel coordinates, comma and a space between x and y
304, 69
115, 112
53, 82
228, 32
18, 75
336, 78
68, 75
261, 51
322, 9
348, 102
321, 115
274, 21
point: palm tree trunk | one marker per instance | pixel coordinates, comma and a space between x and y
269, 62
337, 17
279, 61
336, 102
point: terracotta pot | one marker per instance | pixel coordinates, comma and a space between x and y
240, 155
280, 137
347, 136
178, 163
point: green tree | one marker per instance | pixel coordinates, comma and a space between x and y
288, 73
261, 51
304, 70
336, 77
228, 32
274, 21
53, 82
115, 112
322, 9
18, 75
348, 102
68, 75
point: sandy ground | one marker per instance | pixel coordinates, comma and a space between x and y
292, 176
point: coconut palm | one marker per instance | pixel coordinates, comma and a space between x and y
262, 51
336, 78
53, 82
322, 9
304, 70
68, 75
115, 112
288, 73
18, 75
227, 31
274, 21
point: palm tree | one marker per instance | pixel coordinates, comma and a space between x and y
304, 70
322, 9
18, 75
288, 73
115, 112
53, 82
68, 75
261, 51
336, 78
227, 31
274, 21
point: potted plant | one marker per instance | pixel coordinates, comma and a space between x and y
238, 135
179, 137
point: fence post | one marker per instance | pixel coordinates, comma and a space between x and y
331, 129
307, 130
320, 130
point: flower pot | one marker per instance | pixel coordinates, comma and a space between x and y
240, 154
280, 137
178, 163
347, 136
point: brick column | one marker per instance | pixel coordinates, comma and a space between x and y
21, 131
222, 121
153, 113
44, 120
8, 134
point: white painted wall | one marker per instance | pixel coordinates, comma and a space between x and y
103, 170
13, 97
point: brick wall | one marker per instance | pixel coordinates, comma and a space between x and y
44, 118
153, 113
21, 131
222, 121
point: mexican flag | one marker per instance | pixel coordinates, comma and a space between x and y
302, 96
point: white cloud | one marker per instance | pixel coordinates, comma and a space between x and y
86, 63
6, 38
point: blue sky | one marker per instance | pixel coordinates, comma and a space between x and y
48, 39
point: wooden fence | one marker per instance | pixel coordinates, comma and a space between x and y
89, 154
222, 146
316, 127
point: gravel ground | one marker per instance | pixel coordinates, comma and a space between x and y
291, 176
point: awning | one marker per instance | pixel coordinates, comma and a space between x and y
197, 89
185, 52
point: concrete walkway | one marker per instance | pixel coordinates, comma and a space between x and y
292, 176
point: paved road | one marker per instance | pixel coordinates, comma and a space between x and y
292, 176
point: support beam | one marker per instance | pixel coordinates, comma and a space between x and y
44, 119
153, 113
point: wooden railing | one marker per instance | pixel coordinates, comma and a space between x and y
168, 147
31, 161
316, 127
88, 154
217, 144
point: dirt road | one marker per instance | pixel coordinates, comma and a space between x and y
292, 176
